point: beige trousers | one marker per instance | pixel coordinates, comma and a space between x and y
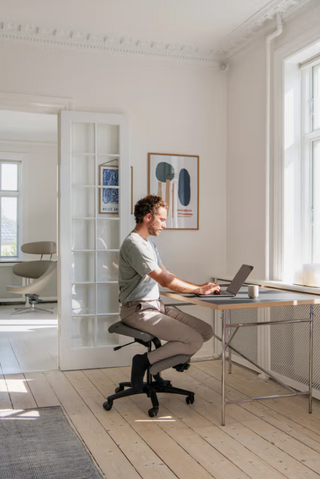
184, 334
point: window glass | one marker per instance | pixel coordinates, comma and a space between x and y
316, 97
316, 203
9, 226
9, 176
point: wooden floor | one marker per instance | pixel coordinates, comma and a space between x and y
272, 439
28, 341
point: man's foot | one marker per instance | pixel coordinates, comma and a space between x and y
140, 364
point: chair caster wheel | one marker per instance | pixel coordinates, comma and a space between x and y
153, 412
190, 399
119, 389
107, 405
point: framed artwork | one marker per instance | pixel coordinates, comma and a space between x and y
176, 179
109, 196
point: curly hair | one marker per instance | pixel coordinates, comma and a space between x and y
149, 204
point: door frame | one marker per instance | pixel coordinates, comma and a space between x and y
50, 105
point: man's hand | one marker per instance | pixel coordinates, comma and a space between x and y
208, 288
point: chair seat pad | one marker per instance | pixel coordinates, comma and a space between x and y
125, 330
168, 363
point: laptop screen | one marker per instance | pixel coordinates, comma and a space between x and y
239, 279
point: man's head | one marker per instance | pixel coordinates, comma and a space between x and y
151, 211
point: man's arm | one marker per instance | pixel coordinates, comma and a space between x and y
168, 280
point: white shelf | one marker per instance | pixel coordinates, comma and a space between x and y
109, 155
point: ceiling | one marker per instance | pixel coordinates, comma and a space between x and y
200, 29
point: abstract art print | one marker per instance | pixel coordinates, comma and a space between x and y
109, 196
176, 179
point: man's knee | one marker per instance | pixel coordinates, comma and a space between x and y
195, 346
207, 333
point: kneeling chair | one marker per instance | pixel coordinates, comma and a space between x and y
159, 385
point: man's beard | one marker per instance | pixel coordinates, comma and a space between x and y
152, 230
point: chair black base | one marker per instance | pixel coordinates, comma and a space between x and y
150, 389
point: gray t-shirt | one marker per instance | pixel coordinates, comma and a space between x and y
138, 257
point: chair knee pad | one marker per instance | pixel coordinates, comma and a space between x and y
174, 361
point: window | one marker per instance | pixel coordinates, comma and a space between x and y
10, 198
315, 175
301, 180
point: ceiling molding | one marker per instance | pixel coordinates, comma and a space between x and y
88, 41
262, 24
256, 26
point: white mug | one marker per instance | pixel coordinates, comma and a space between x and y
253, 291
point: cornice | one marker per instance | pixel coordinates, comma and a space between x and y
87, 41
262, 23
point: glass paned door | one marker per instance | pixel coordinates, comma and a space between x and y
93, 221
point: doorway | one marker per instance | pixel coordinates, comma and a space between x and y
29, 341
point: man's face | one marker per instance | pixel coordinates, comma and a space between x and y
157, 222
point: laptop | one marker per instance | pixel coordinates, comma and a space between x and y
235, 285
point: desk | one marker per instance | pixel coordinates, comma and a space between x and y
266, 299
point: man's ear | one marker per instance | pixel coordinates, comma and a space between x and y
148, 216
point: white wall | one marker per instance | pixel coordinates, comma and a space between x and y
246, 147
173, 107
39, 187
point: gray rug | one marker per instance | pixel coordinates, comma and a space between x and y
40, 444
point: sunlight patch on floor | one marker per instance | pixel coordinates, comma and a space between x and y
15, 385
20, 414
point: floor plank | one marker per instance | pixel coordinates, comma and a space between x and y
19, 390
41, 390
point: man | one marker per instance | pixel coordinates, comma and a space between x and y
140, 274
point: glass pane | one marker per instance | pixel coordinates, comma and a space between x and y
82, 234
83, 138
83, 299
83, 170
108, 235
83, 202
316, 203
108, 139
82, 267
9, 210
107, 266
9, 176
82, 331
107, 298
109, 201
104, 338
316, 97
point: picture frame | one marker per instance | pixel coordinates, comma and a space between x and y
109, 193
176, 179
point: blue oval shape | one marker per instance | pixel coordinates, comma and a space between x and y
184, 187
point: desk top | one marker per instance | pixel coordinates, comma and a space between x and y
267, 298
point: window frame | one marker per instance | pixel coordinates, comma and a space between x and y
301, 48
309, 137
19, 159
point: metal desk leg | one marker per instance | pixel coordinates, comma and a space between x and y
310, 358
223, 377
229, 336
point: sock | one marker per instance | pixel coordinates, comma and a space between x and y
140, 364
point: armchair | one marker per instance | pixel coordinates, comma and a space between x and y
40, 271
